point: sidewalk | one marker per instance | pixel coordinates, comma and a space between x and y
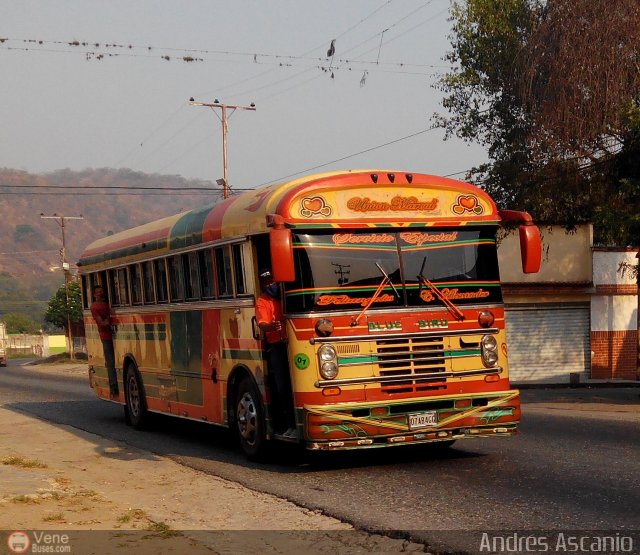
54, 477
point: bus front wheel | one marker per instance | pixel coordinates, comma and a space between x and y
135, 408
250, 422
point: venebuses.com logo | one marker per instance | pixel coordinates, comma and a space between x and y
18, 542
38, 542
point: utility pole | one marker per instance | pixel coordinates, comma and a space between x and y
224, 119
65, 268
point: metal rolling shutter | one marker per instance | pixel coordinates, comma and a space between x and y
546, 343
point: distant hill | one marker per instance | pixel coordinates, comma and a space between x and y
30, 246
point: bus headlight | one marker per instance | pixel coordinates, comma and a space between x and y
328, 359
329, 370
489, 351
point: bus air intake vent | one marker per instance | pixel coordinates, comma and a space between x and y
347, 348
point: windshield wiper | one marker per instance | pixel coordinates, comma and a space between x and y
385, 279
457, 313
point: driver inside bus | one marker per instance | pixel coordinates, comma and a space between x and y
271, 322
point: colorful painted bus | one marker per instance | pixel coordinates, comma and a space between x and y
391, 294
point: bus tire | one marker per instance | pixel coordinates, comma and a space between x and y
250, 421
135, 408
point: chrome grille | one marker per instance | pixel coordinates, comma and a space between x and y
409, 359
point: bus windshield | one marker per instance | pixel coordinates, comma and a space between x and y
337, 271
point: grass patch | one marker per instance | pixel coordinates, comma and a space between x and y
19, 353
163, 530
89, 494
135, 514
22, 463
26, 499
54, 517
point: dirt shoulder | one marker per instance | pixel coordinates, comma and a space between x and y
54, 477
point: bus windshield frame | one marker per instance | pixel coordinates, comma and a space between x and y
343, 271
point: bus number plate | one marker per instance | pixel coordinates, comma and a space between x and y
423, 419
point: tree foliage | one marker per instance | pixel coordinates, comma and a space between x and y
20, 323
552, 90
579, 74
58, 312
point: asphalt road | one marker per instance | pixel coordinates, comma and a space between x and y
568, 469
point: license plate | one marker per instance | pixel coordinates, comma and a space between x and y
423, 419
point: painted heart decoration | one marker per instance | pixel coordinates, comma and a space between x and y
468, 203
313, 206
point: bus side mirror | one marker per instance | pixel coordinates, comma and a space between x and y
530, 248
530, 241
282, 254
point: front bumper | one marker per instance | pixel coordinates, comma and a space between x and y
337, 427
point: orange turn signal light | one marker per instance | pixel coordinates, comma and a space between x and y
492, 378
331, 391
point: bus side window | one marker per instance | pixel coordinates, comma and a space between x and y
86, 292
238, 270
205, 263
114, 288
176, 279
223, 270
100, 279
123, 286
147, 281
136, 284
161, 280
191, 277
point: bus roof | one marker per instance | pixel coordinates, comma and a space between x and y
341, 199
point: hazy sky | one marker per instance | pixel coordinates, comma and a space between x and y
63, 106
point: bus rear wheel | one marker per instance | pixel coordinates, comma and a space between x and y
250, 422
135, 408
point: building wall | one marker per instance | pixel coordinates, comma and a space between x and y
566, 257
572, 271
614, 315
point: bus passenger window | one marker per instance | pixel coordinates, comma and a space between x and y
191, 278
114, 290
147, 281
205, 264
136, 284
161, 280
86, 292
123, 286
100, 279
176, 279
223, 270
238, 270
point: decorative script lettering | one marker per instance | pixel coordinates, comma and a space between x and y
397, 204
342, 238
326, 300
418, 238
454, 295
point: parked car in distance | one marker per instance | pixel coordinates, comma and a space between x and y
3, 357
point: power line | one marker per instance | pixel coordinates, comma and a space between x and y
300, 57
101, 187
352, 155
25, 252
253, 58
196, 189
123, 193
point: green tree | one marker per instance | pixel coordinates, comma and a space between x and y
552, 89
20, 323
58, 313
